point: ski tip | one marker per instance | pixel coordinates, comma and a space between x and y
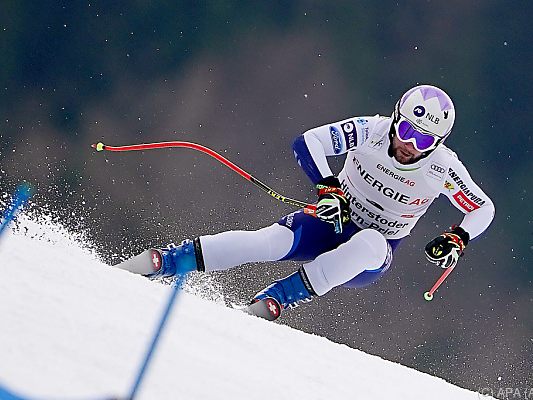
98, 146
267, 308
428, 296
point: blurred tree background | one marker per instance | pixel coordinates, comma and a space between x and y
245, 78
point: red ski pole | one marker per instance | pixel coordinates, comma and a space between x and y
308, 208
429, 295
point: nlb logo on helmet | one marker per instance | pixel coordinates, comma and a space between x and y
419, 111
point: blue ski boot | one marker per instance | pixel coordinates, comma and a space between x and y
173, 260
285, 293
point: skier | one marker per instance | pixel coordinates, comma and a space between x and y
395, 167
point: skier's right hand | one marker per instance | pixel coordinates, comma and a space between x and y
332, 206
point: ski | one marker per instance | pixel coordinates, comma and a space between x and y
266, 308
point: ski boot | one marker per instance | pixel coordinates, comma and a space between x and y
155, 263
285, 293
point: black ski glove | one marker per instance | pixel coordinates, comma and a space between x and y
332, 205
446, 249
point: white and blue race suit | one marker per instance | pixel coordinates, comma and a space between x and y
386, 201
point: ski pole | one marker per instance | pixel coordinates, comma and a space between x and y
308, 208
429, 295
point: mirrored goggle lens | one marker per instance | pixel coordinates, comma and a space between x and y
423, 141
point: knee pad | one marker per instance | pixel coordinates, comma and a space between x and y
378, 247
383, 254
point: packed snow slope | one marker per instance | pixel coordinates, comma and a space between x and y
75, 328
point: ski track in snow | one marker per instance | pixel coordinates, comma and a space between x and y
73, 327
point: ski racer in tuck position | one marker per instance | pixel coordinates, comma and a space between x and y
395, 167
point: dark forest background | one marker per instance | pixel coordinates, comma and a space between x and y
246, 77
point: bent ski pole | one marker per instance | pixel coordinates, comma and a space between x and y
429, 295
308, 208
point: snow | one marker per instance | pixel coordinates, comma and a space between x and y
73, 327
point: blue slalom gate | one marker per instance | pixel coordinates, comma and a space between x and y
148, 357
19, 199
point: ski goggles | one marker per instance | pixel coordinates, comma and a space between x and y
408, 134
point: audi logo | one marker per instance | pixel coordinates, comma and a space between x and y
437, 168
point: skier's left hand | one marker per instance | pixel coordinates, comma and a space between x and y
446, 249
